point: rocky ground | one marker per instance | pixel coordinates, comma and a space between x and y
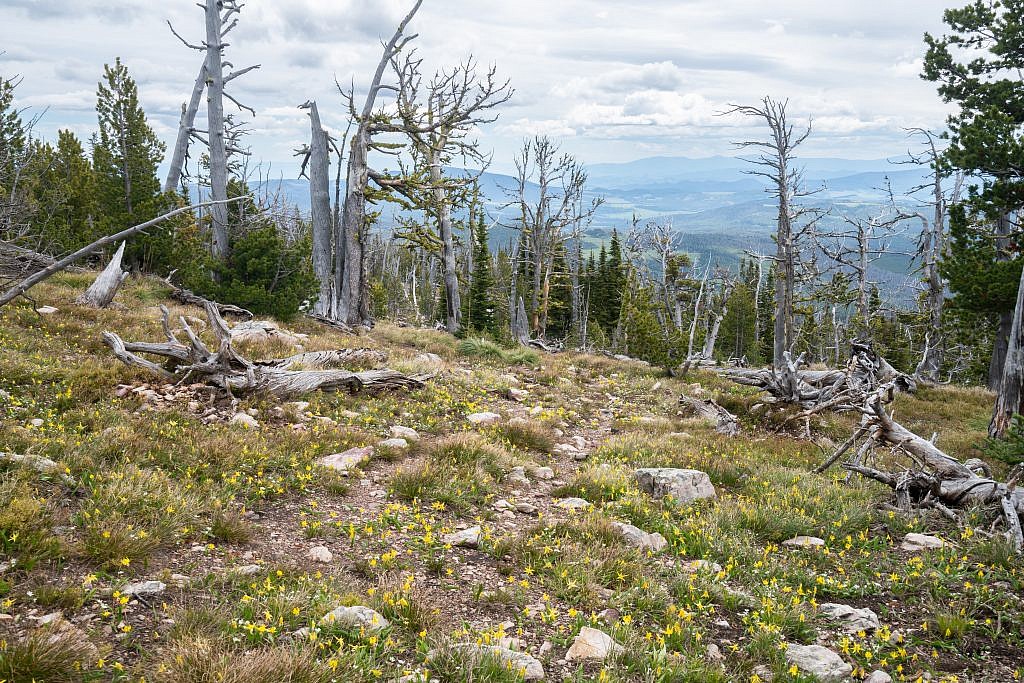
524, 516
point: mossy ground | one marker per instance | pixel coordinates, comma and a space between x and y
161, 494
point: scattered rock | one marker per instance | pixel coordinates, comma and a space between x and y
698, 566
347, 461
37, 422
804, 542
518, 395
592, 644
484, 419
566, 449
526, 508
714, 654
544, 473
46, 310
636, 536
852, 619
518, 476
764, 672
245, 420
431, 360
246, 570
609, 617
918, 542
818, 661
527, 666
358, 617
320, 554
501, 505
468, 538
50, 618
878, 677
407, 433
573, 504
545, 648
394, 444
683, 486
144, 588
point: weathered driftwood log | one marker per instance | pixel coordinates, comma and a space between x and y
932, 478
225, 369
724, 421
104, 288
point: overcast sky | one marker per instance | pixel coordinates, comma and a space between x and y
613, 80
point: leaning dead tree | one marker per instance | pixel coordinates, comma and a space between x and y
221, 18
224, 368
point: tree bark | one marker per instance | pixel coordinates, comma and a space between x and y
1011, 386
185, 127
214, 70
451, 275
320, 203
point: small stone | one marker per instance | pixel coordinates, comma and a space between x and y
609, 617
764, 672
407, 433
878, 677
852, 619
699, 566
180, 580
544, 473
592, 644
636, 536
46, 310
246, 570
518, 395
144, 588
573, 504
320, 554
804, 542
818, 661
714, 654
683, 486
501, 505
394, 444
545, 648
468, 538
245, 420
566, 449
526, 508
36, 422
918, 542
347, 461
358, 617
518, 476
50, 618
484, 419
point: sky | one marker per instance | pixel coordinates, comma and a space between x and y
613, 81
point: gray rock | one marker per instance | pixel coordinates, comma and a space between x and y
144, 588
878, 677
683, 486
573, 504
851, 618
394, 444
592, 644
699, 566
518, 476
246, 570
484, 419
804, 542
544, 473
358, 617
407, 433
818, 661
347, 461
467, 538
526, 508
918, 542
47, 310
245, 420
320, 554
636, 536
527, 666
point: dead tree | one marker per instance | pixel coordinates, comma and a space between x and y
560, 181
728, 284
319, 163
103, 290
1010, 396
221, 18
457, 101
224, 368
776, 163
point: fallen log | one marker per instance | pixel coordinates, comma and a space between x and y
725, 422
226, 370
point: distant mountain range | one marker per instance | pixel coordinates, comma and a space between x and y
721, 209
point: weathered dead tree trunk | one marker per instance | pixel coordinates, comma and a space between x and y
320, 206
186, 127
227, 370
103, 290
725, 422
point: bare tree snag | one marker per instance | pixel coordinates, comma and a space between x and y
57, 266
186, 126
102, 291
320, 204
724, 421
225, 369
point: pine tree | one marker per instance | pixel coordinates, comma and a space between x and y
126, 153
479, 314
68, 192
